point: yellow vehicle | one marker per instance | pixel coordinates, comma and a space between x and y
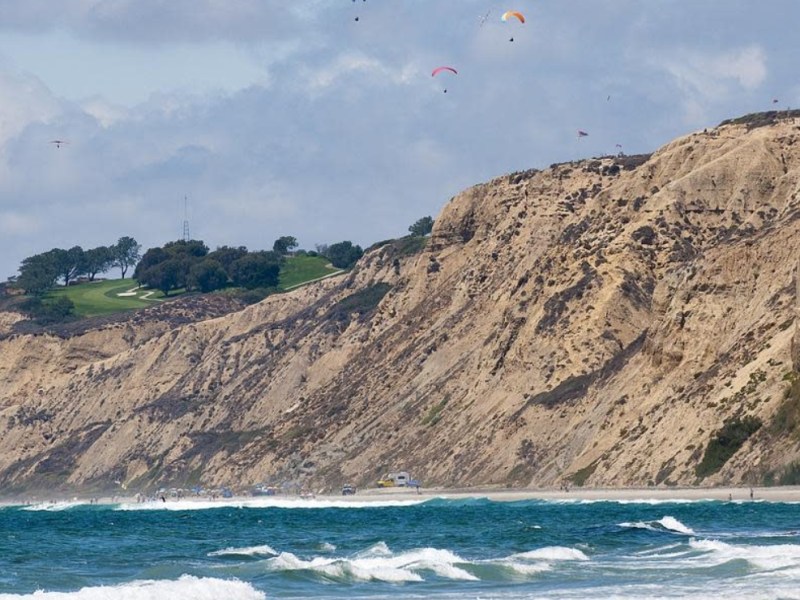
399, 479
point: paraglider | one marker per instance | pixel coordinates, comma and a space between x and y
58, 143
484, 18
512, 14
438, 70
356, 19
581, 133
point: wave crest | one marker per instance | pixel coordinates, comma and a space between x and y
667, 523
263, 550
187, 587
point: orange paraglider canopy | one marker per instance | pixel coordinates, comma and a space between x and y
512, 13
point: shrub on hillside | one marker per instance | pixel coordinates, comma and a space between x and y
361, 302
727, 441
786, 420
47, 312
253, 296
344, 254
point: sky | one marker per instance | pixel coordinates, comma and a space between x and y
267, 118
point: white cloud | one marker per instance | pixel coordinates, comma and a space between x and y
103, 112
163, 21
748, 66
355, 63
16, 224
290, 118
711, 74
23, 100
708, 79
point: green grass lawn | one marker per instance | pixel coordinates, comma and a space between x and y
301, 269
102, 297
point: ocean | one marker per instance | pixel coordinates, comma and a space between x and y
436, 548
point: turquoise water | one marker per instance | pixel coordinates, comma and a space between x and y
271, 548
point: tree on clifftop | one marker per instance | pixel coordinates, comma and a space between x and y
126, 254
256, 270
422, 227
207, 275
164, 276
284, 244
226, 255
344, 254
97, 260
37, 274
68, 263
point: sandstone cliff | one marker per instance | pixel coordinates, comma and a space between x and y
598, 321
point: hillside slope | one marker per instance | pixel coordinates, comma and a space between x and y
598, 321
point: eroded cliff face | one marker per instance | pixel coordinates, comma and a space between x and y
597, 321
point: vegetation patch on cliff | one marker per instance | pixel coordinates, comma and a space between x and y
762, 119
580, 476
362, 302
727, 441
786, 420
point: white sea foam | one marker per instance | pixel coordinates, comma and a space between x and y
552, 553
326, 547
379, 549
266, 502
54, 506
769, 558
646, 501
185, 588
338, 568
536, 561
379, 563
666, 523
263, 550
716, 590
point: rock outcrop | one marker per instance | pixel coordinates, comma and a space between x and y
598, 322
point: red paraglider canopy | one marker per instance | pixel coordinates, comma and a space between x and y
438, 70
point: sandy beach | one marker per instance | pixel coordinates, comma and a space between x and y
689, 494
769, 494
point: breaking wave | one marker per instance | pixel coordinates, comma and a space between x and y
54, 506
263, 503
263, 550
774, 557
186, 587
670, 524
379, 563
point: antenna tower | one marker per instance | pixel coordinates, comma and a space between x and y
186, 236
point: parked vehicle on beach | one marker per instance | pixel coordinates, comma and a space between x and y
398, 479
264, 490
348, 489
